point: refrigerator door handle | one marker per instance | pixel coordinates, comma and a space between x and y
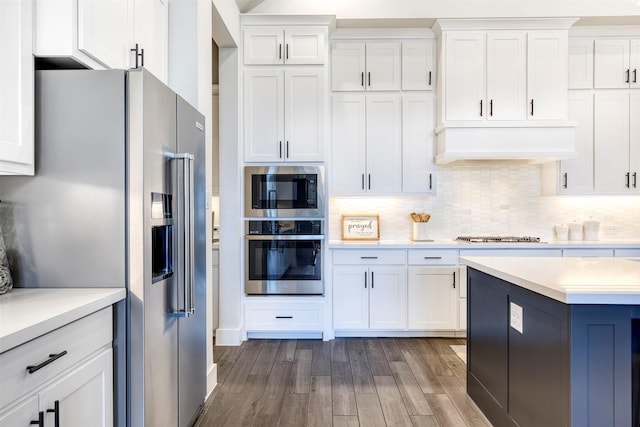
188, 278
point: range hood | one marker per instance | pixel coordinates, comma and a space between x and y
534, 143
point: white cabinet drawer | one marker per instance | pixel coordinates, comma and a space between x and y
370, 257
632, 253
79, 339
283, 316
433, 257
512, 252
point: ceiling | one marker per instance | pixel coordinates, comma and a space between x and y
422, 13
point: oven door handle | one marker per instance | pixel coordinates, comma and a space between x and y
284, 237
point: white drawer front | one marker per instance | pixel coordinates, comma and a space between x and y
79, 339
588, 252
433, 257
284, 317
370, 257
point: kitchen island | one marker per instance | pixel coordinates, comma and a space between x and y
554, 341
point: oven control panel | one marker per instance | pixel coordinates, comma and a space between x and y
284, 227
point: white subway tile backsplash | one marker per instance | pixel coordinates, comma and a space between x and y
497, 198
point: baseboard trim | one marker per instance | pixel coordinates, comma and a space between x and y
231, 337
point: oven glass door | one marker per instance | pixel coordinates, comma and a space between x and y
284, 266
284, 191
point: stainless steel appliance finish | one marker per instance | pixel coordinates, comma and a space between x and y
284, 257
498, 239
284, 191
118, 200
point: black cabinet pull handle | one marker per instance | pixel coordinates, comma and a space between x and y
52, 358
566, 181
287, 52
287, 149
481, 108
139, 53
429, 78
627, 179
365, 280
635, 75
40, 421
369, 76
634, 179
280, 51
433, 257
491, 107
369, 181
368, 257
532, 106
454, 280
430, 181
56, 413
627, 81
284, 317
280, 150
362, 79
372, 280
363, 181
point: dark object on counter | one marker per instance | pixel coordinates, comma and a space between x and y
6, 283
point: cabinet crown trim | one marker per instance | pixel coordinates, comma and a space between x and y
503, 24
371, 34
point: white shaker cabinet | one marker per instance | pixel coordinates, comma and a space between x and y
65, 374
370, 66
617, 142
432, 298
576, 173
369, 289
418, 168
16, 87
283, 114
151, 33
580, 63
366, 145
369, 297
269, 45
505, 75
418, 65
616, 64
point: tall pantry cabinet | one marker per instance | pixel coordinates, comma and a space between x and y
382, 113
283, 91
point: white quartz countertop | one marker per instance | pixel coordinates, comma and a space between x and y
572, 280
452, 244
26, 314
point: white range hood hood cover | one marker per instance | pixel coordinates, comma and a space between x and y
537, 143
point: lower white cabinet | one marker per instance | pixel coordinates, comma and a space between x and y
433, 298
369, 297
266, 314
61, 378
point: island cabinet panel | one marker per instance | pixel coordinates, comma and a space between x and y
601, 365
487, 340
539, 361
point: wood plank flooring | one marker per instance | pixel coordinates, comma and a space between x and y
344, 382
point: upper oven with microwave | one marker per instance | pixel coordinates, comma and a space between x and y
284, 191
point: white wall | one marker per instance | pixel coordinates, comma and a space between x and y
492, 199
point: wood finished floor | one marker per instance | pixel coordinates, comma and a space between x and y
344, 382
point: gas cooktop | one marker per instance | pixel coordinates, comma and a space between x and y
498, 239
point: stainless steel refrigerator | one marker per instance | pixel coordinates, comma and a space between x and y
118, 200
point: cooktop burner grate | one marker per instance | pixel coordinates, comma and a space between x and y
498, 239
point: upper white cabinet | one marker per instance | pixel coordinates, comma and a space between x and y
283, 114
366, 144
505, 75
580, 63
617, 64
265, 45
104, 33
16, 88
418, 65
617, 142
371, 66
418, 168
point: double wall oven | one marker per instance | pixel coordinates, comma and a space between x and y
284, 230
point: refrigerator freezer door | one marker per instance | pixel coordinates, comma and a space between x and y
192, 330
